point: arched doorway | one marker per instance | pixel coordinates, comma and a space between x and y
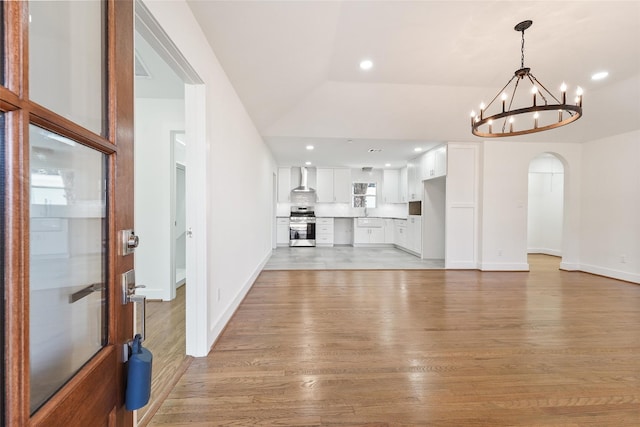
545, 214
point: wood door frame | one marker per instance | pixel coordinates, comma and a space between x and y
118, 146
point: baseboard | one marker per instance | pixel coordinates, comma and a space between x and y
461, 265
504, 266
609, 272
216, 329
569, 266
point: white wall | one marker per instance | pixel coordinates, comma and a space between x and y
546, 199
239, 205
610, 207
155, 119
504, 196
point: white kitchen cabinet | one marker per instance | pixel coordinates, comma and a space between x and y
414, 234
402, 187
324, 185
389, 231
282, 231
391, 186
368, 231
414, 182
333, 185
324, 231
428, 165
400, 232
342, 185
435, 164
284, 185
440, 161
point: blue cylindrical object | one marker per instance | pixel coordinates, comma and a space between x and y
138, 376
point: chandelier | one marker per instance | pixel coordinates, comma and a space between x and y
544, 113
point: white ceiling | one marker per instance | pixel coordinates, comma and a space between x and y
294, 64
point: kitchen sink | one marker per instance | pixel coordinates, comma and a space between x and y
369, 222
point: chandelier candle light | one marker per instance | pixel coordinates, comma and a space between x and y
533, 118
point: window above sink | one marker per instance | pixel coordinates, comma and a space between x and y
364, 194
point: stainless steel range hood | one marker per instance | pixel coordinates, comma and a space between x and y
304, 186
303, 195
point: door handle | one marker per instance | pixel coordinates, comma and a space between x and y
129, 295
143, 322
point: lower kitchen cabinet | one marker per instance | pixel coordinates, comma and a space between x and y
282, 231
408, 234
400, 232
368, 231
414, 234
324, 231
389, 231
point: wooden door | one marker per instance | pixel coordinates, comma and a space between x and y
66, 110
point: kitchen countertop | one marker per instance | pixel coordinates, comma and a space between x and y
360, 216
352, 217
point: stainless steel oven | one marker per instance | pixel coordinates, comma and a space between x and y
302, 227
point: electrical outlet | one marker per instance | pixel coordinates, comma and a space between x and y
623, 259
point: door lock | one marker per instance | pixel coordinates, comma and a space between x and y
128, 242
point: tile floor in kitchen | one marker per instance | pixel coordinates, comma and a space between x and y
347, 258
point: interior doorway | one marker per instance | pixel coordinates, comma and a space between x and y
545, 214
180, 215
169, 147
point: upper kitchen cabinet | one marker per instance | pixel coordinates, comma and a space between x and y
414, 181
434, 164
391, 186
284, 185
333, 185
403, 187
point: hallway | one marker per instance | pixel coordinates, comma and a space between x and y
421, 348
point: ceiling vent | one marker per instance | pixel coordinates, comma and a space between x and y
367, 169
375, 150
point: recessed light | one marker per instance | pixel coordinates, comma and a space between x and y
366, 64
417, 149
307, 163
600, 75
386, 165
309, 147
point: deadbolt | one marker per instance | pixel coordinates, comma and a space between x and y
128, 242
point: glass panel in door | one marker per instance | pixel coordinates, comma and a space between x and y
67, 59
67, 259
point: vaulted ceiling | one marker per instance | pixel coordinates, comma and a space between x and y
294, 64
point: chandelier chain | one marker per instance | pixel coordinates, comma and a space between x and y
522, 51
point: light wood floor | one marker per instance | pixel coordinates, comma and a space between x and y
166, 341
436, 348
